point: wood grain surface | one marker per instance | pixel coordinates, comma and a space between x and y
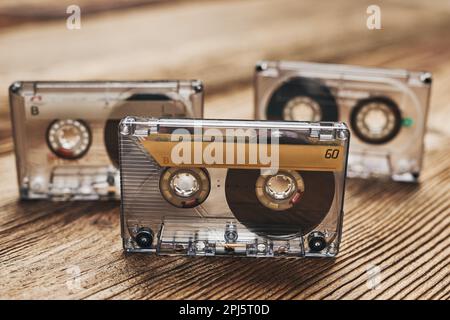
401, 229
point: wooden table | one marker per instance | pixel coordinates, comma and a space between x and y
73, 250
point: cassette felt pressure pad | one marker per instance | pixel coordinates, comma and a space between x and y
66, 132
385, 108
229, 187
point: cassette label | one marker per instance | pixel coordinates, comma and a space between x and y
243, 155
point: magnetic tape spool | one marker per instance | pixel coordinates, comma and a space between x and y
302, 99
110, 134
298, 202
376, 120
112, 141
69, 139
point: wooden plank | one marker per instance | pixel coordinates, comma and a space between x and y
13, 13
216, 41
402, 229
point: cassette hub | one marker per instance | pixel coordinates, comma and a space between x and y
184, 184
280, 186
185, 188
302, 108
280, 191
376, 120
69, 139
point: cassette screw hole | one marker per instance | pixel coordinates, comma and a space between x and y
230, 234
200, 246
317, 241
144, 238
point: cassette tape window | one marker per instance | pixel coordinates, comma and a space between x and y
229, 187
385, 108
65, 133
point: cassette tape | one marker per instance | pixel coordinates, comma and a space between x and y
232, 187
65, 133
386, 110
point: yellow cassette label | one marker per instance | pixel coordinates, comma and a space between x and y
245, 155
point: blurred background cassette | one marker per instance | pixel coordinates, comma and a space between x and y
65, 133
386, 110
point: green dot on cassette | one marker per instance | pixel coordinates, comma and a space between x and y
407, 122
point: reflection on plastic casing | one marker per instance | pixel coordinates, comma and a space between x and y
357, 96
224, 215
65, 133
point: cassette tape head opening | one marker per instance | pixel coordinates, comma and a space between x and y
208, 187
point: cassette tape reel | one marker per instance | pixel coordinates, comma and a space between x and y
385, 108
230, 187
65, 133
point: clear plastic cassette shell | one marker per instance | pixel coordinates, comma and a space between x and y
206, 207
386, 110
65, 133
